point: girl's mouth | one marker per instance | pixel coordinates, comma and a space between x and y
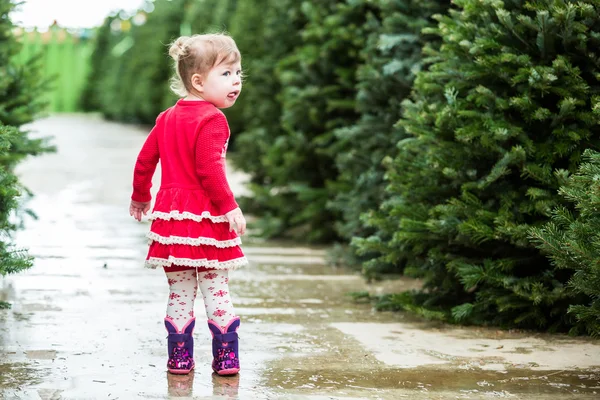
233, 95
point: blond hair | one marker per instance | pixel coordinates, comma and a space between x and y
197, 54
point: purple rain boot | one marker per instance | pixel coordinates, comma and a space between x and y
181, 347
225, 347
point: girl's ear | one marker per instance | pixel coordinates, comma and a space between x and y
197, 82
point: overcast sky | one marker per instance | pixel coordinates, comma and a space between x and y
69, 13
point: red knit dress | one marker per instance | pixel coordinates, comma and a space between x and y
189, 228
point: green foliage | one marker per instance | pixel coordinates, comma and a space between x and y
11, 260
130, 77
103, 41
572, 242
276, 34
495, 124
391, 57
316, 97
21, 88
211, 15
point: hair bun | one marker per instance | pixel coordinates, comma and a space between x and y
178, 47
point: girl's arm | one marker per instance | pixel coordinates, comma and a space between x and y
210, 163
144, 168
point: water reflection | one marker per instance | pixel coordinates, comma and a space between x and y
180, 385
226, 386
223, 387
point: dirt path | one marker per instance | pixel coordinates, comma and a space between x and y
86, 321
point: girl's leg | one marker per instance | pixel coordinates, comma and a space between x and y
222, 322
183, 287
214, 285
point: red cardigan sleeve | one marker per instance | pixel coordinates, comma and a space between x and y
211, 146
145, 167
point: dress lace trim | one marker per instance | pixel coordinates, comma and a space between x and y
154, 262
221, 244
180, 216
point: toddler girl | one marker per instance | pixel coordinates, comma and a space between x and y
196, 220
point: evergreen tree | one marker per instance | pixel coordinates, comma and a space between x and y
90, 96
20, 92
496, 125
391, 58
275, 36
147, 66
208, 16
12, 260
112, 39
317, 97
572, 242
130, 78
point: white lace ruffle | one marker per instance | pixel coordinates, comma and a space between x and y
154, 262
176, 215
221, 244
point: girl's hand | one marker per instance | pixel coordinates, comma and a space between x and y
137, 208
236, 221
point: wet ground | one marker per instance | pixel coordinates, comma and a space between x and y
86, 320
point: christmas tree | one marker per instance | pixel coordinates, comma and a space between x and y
317, 82
11, 260
20, 100
572, 242
392, 56
104, 39
495, 125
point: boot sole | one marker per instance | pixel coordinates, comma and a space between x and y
225, 372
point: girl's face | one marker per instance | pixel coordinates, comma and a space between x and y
222, 85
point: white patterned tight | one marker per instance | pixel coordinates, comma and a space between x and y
183, 287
